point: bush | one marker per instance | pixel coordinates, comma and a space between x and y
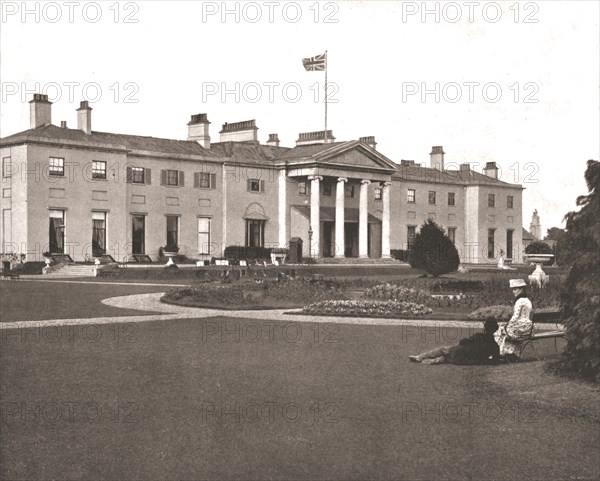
500, 313
580, 296
366, 308
538, 247
247, 253
455, 287
400, 254
433, 251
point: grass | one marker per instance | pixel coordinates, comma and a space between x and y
367, 413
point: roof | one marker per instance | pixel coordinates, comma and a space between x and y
250, 151
303, 151
527, 236
131, 142
419, 173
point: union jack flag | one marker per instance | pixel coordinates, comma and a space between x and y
313, 64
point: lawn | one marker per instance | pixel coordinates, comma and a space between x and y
227, 398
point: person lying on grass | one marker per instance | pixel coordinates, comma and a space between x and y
480, 348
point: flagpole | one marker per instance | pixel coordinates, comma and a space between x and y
325, 96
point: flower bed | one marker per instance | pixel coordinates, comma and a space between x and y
367, 308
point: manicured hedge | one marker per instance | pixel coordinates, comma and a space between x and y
247, 253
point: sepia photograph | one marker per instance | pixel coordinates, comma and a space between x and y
300, 240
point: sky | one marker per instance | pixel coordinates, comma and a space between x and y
516, 83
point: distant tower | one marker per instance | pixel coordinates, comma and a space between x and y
535, 227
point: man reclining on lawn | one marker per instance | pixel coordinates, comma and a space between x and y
480, 348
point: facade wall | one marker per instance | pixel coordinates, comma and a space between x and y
13, 200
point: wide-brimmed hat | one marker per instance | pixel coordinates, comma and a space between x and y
517, 283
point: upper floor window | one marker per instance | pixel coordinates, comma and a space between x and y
302, 188
6, 172
432, 196
98, 169
411, 196
139, 175
57, 166
349, 191
327, 189
491, 200
256, 185
509, 201
173, 178
451, 198
378, 193
205, 180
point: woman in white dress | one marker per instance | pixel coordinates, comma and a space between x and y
509, 336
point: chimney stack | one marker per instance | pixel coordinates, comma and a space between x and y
318, 137
198, 130
84, 117
245, 131
40, 111
370, 141
63, 124
491, 170
436, 157
273, 140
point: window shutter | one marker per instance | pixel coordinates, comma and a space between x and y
181, 178
248, 185
196, 180
163, 177
213, 181
129, 175
262, 185
147, 176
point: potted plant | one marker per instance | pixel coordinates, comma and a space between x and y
170, 251
47, 258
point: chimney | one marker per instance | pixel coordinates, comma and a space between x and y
245, 131
311, 138
408, 163
491, 170
436, 157
198, 130
63, 124
370, 141
84, 117
273, 140
40, 111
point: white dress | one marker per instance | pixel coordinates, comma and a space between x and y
508, 337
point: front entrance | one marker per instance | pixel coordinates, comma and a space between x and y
138, 234
329, 247
351, 239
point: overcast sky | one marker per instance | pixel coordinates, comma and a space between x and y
512, 82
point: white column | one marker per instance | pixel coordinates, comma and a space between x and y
363, 220
385, 220
340, 194
315, 218
282, 208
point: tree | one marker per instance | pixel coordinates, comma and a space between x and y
433, 251
557, 235
580, 296
538, 247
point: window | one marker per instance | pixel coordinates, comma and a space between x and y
98, 169
411, 232
509, 201
327, 189
302, 188
255, 233
509, 243
411, 196
139, 175
6, 172
491, 200
204, 235
56, 234
172, 230
451, 198
378, 193
205, 180
349, 190
452, 234
491, 234
256, 185
432, 196
172, 177
98, 233
57, 166
138, 234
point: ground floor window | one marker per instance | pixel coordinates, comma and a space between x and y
452, 234
98, 233
204, 235
172, 230
56, 232
255, 233
411, 232
491, 241
138, 230
509, 243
